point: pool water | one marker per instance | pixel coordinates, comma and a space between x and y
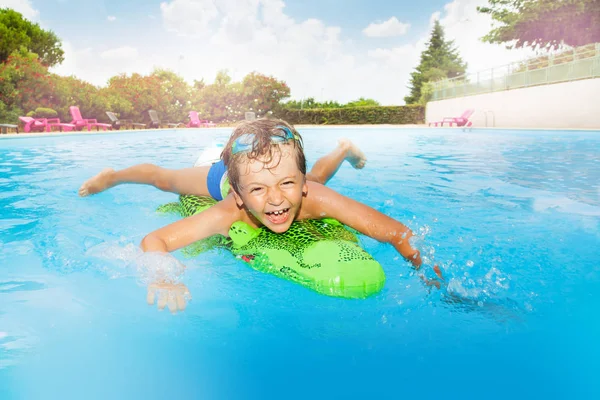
512, 218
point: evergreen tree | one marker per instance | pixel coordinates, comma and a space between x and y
440, 60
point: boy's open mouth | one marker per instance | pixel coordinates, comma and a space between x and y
279, 216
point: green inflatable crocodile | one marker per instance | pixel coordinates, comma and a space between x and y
323, 255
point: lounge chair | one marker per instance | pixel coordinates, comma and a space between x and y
196, 122
81, 123
55, 123
156, 123
463, 120
4, 128
44, 124
118, 123
31, 124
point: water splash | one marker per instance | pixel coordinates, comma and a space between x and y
131, 261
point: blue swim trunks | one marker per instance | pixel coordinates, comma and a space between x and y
217, 182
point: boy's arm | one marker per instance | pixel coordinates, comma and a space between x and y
324, 202
215, 220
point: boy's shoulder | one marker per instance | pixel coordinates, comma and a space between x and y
224, 213
316, 190
319, 199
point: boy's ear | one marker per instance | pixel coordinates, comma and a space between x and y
238, 199
304, 188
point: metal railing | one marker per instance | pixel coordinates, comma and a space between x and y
579, 63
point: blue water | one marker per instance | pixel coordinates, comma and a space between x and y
512, 217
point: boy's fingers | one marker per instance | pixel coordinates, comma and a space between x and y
171, 302
180, 301
433, 282
162, 299
438, 272
184, 291
151, 294
167, 294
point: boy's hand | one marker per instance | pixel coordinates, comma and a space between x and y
169, 294
409, 253
434, 282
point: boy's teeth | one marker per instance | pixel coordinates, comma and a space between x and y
277, 212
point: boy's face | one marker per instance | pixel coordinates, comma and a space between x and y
273, 191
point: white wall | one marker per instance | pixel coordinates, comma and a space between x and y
574, 105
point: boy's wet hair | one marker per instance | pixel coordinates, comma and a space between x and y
263, 146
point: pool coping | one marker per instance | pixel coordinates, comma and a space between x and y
23, 135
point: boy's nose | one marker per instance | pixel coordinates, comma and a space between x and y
275, 197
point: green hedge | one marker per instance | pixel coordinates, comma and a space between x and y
411, 114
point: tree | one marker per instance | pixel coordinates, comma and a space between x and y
362, 102
17, 32
71, 91
25, 84
132, 96
545, 24
439, 60
221, 101
222, 78
176, 92
263, 93
199, 85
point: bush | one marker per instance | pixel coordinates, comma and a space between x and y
398, 115
9, 115
41, 112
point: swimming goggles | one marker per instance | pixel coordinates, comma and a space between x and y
245, 141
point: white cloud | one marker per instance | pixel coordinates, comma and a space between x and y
315, 59
189, 17
391, 27
312, 57
123, 53
23, 6
97, 68
111, 18
395, 57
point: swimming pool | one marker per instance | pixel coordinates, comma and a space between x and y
513, 218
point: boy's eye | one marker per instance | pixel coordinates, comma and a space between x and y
288, 182
256, 189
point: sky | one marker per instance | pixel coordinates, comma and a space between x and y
326, 49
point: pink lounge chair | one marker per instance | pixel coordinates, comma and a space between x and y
196, 122
55, 123
31, 124
80, 122
44, 124
463, 120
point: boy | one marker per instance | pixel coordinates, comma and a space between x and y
265, 164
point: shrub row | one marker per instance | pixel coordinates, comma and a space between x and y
399, 115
